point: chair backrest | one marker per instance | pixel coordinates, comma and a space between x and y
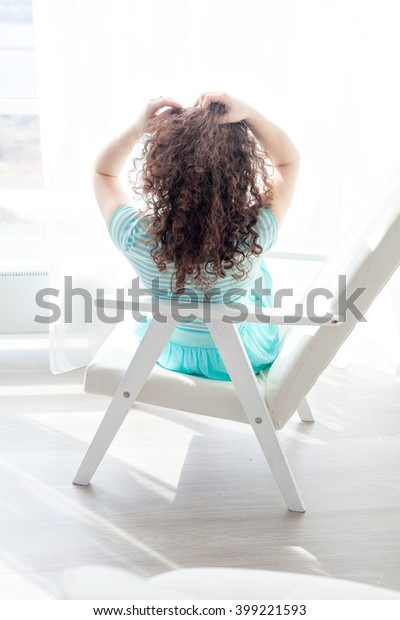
367, 255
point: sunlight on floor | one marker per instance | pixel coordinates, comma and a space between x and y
16, 342
162, 481
16, 578
49, 495
155, 486
300, 437
300, 555
40, 388
19, 342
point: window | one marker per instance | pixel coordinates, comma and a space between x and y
22, 206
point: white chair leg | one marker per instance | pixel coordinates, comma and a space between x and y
234, 356
304, 411
147, 354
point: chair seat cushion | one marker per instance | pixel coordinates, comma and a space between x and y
164, 388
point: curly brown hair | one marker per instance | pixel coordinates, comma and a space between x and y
200, 179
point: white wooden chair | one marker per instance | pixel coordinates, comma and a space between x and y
105, 582
368, 255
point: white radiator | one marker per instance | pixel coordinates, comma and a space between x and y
18, 289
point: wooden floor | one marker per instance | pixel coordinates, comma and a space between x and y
179, 490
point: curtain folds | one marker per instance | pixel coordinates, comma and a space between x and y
323, 71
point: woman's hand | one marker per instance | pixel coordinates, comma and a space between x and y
236, 110
149, 114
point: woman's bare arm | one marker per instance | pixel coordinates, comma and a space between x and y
109, 163
283, 155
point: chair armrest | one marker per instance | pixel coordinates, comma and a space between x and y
293, 314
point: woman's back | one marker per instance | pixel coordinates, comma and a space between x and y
212, 212
191, 348
129, 230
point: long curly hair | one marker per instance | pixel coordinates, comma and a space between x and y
200, 179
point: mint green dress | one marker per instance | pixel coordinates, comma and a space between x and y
191, 348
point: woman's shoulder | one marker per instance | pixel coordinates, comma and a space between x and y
267, 227
129, 224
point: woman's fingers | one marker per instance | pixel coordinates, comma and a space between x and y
152, 114
162, 114
162, 103
235, 109
206, 98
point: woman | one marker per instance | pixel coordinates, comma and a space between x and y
208, 224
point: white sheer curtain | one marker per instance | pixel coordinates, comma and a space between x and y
325, 71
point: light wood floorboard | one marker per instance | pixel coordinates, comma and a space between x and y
179, 490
